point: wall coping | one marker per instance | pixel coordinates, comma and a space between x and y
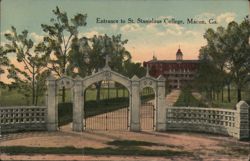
22, 107
200, 108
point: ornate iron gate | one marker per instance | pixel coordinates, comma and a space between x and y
147, 116
108, 115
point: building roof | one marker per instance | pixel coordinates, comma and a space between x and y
173, 61
179, 52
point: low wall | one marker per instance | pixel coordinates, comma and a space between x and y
219, 121
23, 118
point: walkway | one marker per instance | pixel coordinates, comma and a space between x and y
172, 97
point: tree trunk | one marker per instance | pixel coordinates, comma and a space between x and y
207, 94
213, 95
239, 94
33, 85
63, 73
222, 95
228, 93
36, 101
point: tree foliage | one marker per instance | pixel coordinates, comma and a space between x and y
4, 62
29, 73
226, 56
59, 35
87, 55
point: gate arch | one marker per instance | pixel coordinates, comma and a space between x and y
108, 75
133, 85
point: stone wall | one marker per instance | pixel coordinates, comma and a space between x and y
23, 118
219, 121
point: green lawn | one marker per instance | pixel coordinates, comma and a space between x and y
12, 98
218, 103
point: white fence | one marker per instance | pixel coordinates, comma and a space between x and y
23, 118
220, 121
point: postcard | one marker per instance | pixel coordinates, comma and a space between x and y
125, 80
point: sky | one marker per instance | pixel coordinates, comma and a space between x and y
144, 39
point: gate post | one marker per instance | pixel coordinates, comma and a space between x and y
78, 105
52, 116
242, 120
135, 113
161, 104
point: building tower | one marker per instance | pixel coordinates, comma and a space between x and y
179, 54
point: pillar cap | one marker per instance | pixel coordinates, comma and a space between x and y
135, 78
242, 104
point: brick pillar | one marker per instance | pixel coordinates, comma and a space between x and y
242, 120
52, 115
135, 113
78, 105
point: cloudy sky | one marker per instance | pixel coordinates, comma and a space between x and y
144, 39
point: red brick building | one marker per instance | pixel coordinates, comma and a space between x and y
177, 72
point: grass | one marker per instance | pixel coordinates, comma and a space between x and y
218, 103
125, 147
187, 99
12, 97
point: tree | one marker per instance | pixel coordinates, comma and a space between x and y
28, 75
88, 55
59, 36
4, 62
208, 78
218, 58
228, 48
131, 69
237, 49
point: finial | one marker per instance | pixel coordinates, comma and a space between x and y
154, 57
107, 59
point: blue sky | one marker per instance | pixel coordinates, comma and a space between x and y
144, 39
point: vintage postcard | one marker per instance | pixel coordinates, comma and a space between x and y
125, 80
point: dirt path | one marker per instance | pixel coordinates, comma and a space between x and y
202, 146
115, 158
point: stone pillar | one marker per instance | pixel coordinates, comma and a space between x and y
242, 120
135, 113
78, 105
52, 109
160, 105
